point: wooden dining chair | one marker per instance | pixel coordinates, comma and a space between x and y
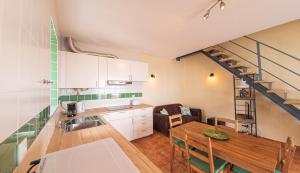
200, 156
176, 142
227, 121
286, 156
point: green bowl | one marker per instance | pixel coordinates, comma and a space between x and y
216, 134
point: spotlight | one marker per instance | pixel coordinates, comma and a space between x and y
217, 2
206, 15
222, 5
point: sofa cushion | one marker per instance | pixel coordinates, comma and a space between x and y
185, 110
172, 109
164, 112
161, 122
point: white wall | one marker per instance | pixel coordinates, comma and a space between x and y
25, 60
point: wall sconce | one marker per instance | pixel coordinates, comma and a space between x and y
211, 75
152, 78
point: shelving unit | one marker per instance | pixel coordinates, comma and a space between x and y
245, 106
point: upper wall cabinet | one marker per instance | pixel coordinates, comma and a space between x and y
78, 70
102, 72
86, 71
139, 71
125, 70
118, 69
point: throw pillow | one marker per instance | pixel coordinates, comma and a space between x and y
164, 112
185, 110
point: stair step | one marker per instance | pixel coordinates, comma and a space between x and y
292, 102
248, 73
263, 81
217, 54
209, 49
238, 66
276, 91
227, 59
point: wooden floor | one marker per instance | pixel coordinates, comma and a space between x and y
157, 148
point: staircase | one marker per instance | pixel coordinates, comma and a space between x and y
235, 64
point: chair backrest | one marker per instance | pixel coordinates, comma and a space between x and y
287, 155
226, 120
202, 143
175, 120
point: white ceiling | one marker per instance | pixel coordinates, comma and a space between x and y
168, 28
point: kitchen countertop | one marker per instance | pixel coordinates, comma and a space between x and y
103, 110
61, 140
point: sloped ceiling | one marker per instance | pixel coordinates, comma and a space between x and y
168, 28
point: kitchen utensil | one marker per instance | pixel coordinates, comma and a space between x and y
80, 107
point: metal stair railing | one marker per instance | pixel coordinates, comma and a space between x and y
275, 97
260, 57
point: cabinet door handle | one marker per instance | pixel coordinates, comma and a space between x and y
46, 82
96, 84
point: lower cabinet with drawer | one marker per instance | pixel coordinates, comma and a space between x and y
132, 124
142, 122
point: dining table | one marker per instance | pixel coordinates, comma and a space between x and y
255, 154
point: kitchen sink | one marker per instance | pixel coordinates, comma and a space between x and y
81, 123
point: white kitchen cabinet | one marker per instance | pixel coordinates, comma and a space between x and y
62, 69
142, 122
139, 71
124, 126
81, 70
118, 69
102, 72
25, 62
86, 71
122, 122
132, 124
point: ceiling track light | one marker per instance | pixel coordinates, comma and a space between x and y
206, 15
222, 6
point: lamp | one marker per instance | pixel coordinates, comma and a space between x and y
222, 6
206, 15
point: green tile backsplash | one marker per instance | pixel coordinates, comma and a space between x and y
99, 96
54, 53
30, 130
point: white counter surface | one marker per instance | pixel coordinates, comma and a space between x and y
101, 156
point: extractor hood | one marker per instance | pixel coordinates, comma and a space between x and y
118, 82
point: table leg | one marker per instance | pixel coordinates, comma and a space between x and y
172, 157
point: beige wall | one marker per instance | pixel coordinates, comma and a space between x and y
167, 86
187, 81
213, 95
284, 37
274, 122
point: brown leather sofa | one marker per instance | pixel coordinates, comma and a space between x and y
161, 122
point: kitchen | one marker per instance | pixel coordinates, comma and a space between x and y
92, 101
92, 86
